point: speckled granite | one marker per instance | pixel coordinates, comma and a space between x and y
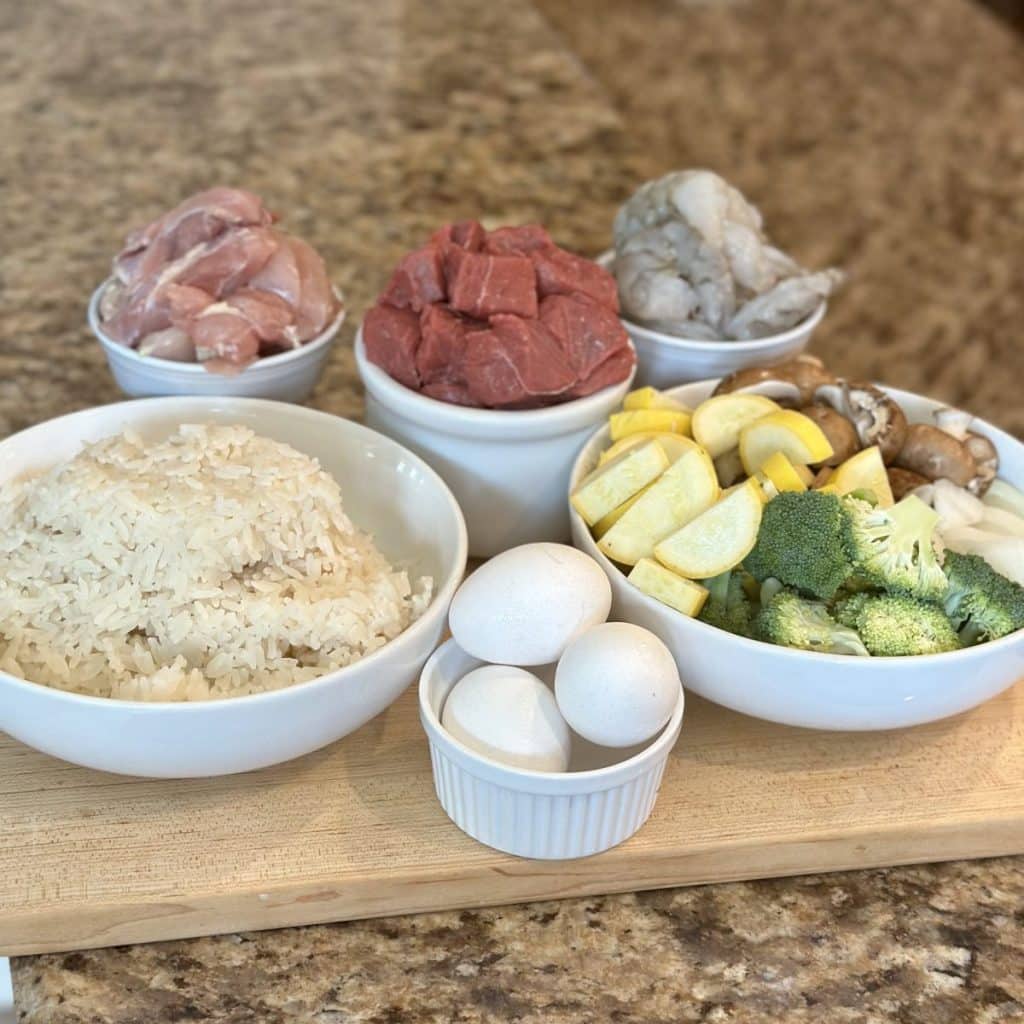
880, 146
938, 945
882, 137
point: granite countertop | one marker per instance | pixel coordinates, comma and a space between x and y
883, 137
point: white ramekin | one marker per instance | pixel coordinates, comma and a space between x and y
288, 377
665, 360
541, 815
805, 688
507, 469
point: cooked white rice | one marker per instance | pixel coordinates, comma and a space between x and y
213, 564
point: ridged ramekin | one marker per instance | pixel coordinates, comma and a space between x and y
541, 815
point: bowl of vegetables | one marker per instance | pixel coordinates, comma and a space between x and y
814, 551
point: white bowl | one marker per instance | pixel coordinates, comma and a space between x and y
387, 491
543, 815
666, 360
819, 691
507, 469
287, 377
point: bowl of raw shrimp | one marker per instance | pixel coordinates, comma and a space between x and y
664, 360
703, 291
285, 377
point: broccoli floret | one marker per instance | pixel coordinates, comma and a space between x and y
897, 625
727, 606
892, 547
848, 606
800, 542
982, 604
793, 621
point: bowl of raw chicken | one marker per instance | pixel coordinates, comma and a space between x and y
211, 298
703, 291
878, 591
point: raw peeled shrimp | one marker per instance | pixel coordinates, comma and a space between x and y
782, 306
744, 286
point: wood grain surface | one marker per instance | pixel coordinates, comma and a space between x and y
353, 831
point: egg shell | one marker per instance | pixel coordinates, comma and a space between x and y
508, 715
617, 685
526, 605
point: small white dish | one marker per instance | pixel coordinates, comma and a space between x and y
667, 360
541, 815
818, 691
287, 377
507, 469
387, 491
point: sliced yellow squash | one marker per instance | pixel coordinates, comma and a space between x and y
717, 422
675, 445
805, 473
686, 489
651, 398
639, 421
782, 473
669, 588
618, 480
717, 540
603, 525
797, 436
863, 471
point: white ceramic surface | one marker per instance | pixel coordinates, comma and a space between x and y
507, 469
819, 691
542, 815
288, 377
664, 360
386, 490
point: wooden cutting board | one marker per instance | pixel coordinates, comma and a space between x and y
89, 859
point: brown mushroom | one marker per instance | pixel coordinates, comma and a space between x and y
936, 455
903, 481
986, 462
957, 423
838, 429
790, 383
877, 418
822, 477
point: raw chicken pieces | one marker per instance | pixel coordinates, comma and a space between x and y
502, 319
212, 281
691, 259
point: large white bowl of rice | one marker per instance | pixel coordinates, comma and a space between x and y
201, 586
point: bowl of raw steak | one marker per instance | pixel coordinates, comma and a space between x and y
492, 354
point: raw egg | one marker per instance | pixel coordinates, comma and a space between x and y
617, 684
508, 715
527, 604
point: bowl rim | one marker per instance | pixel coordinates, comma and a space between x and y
437, 608
658, 747
855, 664
490, 423
805, 326
264, 364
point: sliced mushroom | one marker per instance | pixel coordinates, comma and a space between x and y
796, 380
936, 455
822, 477
877, 418
986, 462
903, 481
838, 429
